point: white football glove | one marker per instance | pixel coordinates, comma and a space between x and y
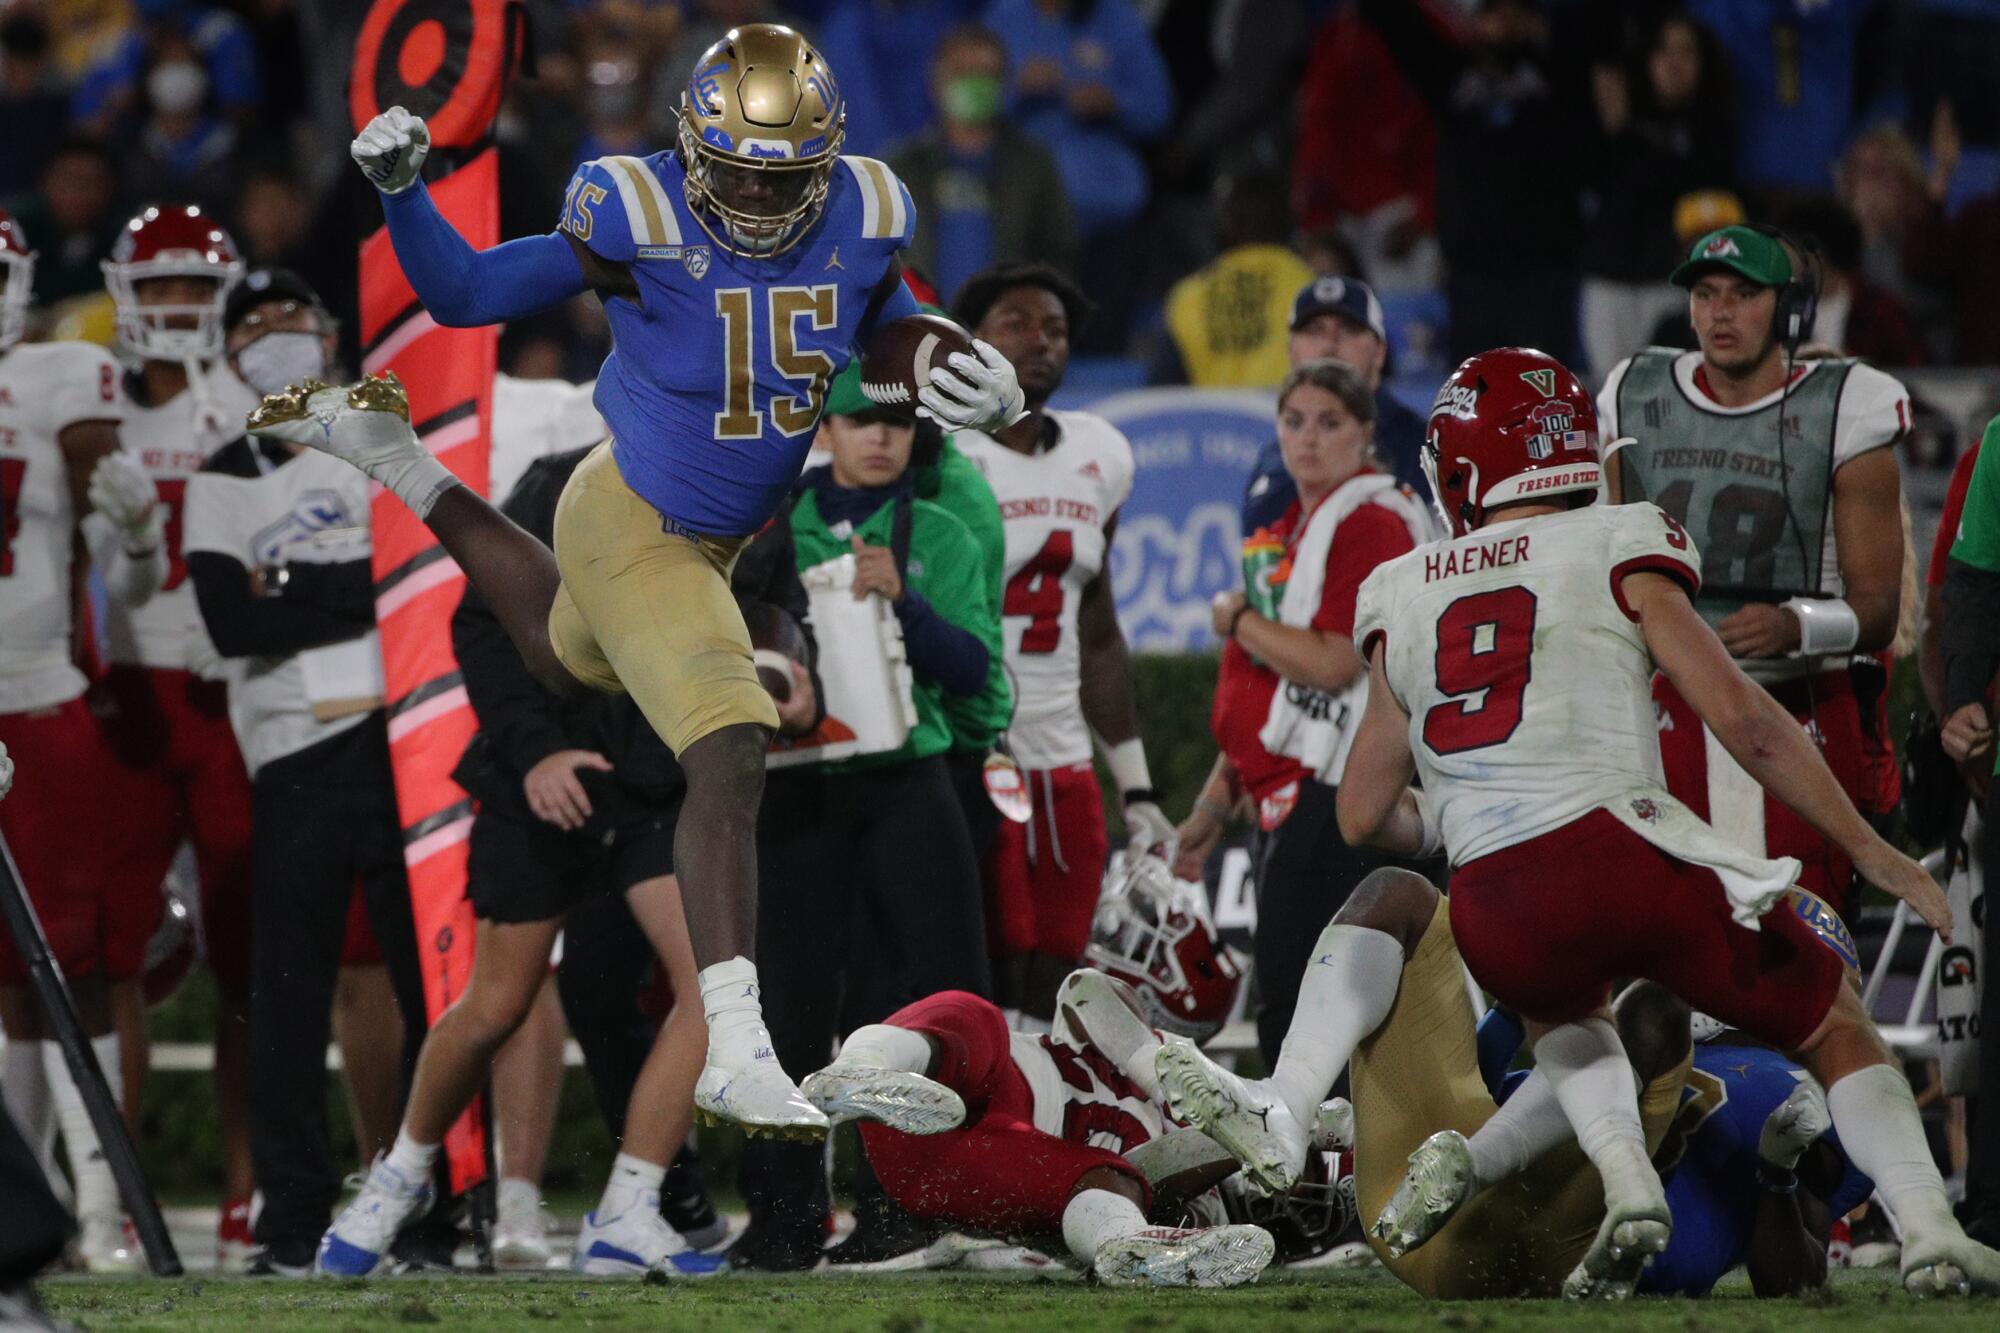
122, 492
981, 395
1148, 829
1794, 1126
6, 771
390, 150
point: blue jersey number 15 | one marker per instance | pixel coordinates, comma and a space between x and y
740, 418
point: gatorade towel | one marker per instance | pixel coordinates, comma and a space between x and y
447, 61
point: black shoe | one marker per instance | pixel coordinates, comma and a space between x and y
21, 1309
283, 1259
1985, 1229
768, 1249
882, 1233
685, 1205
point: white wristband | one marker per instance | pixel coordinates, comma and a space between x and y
1127, 762
1826, 625
1433, 835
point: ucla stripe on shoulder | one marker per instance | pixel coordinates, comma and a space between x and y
648, 211
885, 211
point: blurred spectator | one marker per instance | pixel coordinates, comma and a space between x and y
1959, 254
1234, 66
110, 90
1795, 83
72, 220
1339, 320
1883, 183
1366, 163
1666, 128
84, 30
1508, 155
182, 153
700, 28
33, 103
1227, 320
1088, 84
1857, 315
1329, 256
875, 48
985, 192
614, 110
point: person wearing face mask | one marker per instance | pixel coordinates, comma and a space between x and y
996, 192
182, 150
276, 544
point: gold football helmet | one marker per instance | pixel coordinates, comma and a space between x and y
761, 126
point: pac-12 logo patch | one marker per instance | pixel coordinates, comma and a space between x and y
695, 259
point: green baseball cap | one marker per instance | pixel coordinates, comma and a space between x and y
1756, 255
844, 397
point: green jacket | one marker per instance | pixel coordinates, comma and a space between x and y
962, 490
946, 569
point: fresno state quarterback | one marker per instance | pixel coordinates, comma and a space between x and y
60, 409
1029, 1137
1060, 478
1510, 667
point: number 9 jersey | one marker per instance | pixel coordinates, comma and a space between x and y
718, 370
1524, 674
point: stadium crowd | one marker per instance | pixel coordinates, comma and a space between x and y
1712, 210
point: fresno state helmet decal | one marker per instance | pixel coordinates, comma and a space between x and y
1541, 381
1720, 247
1555, 427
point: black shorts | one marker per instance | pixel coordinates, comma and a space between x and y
520, 870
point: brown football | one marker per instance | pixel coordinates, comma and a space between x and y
774, 631
900, 356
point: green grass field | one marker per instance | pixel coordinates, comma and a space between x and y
1343, 1301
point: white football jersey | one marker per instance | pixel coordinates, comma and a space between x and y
1527, 683
172, 441
1084, 1098
44, 387
1054, 506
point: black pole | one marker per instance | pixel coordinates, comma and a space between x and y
33, 946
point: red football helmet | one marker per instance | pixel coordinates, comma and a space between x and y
171, 241
18, 293
1509, 425
1151, 934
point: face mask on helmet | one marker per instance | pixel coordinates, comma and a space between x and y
1306, 1222
16, 296
1151, 934
159, 329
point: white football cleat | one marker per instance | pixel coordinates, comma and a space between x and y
366, 424
1179, 1257
1625, 1244
638, 1242
1949, 1263
520, 1229
106, 1244
893, 1097
760, 1098
1435, 1185
361, 1235
1246, 1118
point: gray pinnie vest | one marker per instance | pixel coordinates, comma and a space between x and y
1756, 502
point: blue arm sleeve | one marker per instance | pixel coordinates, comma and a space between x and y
953, 657
464, 288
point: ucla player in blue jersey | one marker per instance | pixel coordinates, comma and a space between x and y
1754, 1172
739, 271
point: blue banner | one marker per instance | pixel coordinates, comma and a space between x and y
1179, 536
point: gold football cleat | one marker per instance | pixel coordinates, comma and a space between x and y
284, 405
380, 393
